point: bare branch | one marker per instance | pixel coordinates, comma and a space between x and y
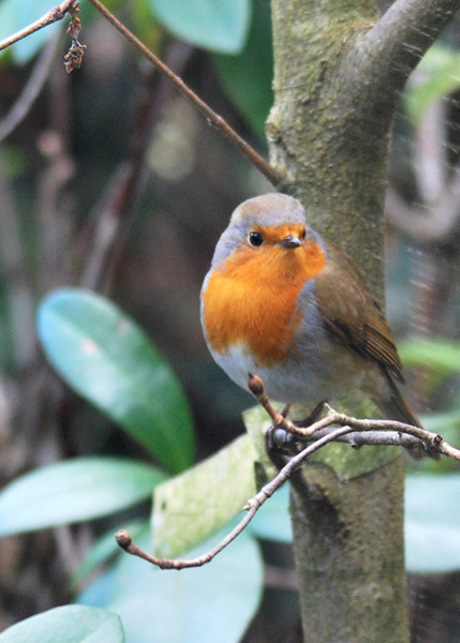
376, 431
125, 541
356, 432
213, 118
53, 15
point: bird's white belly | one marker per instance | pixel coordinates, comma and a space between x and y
326, 372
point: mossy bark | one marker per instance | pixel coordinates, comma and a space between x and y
315, 129
349, 551
339, 71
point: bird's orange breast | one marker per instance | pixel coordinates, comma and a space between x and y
252, 299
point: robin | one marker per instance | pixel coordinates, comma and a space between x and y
286, 304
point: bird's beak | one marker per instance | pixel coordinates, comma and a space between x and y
291, 242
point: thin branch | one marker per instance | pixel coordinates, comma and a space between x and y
358, 432
213, 118
357, 439
125, 541
433, 443
256, 386
53, 15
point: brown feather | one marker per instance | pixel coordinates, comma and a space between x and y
351, 313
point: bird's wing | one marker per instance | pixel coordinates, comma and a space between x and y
351, 313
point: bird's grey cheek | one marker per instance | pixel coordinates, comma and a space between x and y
226, 246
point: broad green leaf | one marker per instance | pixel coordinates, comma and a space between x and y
438, 354
436, 76
103, 355
247, 77
74, 490
432, 526
191, 507
213, 603
218, 25
68, 624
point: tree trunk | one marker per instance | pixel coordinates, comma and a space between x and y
339, 72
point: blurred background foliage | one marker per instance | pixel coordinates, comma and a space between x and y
111, 182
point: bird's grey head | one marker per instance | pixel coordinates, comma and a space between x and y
267, 210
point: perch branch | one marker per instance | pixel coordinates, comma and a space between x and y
356, 432
213, 118
374, 432
125, 541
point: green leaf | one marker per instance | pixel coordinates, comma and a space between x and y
68, 624
218, 25
247, 78
439, 354
213, 603
191, 507
79, 489
103, 355
432, 526
436, 76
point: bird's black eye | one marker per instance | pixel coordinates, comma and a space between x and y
303, 234
255, 239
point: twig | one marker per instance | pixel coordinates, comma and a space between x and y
125, 541
53, 15
378, 432
256, 386
213, 118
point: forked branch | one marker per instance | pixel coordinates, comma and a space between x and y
352, 430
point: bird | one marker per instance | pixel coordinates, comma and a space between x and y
283, 302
